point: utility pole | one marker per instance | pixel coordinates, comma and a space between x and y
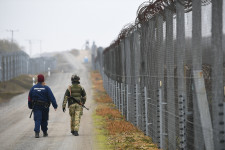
12, 32
30, 46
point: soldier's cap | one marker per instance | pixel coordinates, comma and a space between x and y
41, 78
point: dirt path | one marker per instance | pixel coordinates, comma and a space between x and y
16, 129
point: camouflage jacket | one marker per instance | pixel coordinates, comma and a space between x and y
76, 91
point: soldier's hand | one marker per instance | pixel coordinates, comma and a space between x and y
55, 109
64, 109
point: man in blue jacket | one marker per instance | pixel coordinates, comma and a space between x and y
39, 99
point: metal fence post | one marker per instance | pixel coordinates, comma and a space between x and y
122, 97
160, 118
118, 95
200, 102
146, 112
11, 66
182, 122
180, 45
111, 89
107, 84
137, 106
15, 65
128, 103
1, 69
6, 68
218, 74
116, 92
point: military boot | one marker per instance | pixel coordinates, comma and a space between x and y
75, 133
36, 134
45, 134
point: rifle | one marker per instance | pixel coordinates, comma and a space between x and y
78, 102
32, 109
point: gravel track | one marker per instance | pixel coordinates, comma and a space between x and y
16, 128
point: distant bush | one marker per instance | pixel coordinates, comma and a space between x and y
7, 46
75, 52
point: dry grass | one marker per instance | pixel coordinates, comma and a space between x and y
108, 113
15, 86
120, 126
120, 133
103, 98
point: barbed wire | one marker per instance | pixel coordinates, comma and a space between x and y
147, 10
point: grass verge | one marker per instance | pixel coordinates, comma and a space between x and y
112, 130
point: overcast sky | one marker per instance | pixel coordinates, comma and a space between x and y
65, 24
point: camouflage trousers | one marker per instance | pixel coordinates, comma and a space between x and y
76, 112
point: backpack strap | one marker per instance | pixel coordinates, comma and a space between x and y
69, 88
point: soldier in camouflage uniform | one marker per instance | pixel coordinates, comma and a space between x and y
75, 110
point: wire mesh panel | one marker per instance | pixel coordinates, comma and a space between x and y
123, 88
139, 101
170, 80
14, 64
143, 69
132, 99
160, 75
128, 78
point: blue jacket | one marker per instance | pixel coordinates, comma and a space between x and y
42, 93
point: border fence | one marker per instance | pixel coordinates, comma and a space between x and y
165, 73
13, 64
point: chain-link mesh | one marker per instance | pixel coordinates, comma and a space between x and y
13, 64
166, 73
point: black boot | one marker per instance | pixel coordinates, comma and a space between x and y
75, 133
45, 134
72, 132
36, 134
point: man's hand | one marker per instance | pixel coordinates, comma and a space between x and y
64, 109
55, 109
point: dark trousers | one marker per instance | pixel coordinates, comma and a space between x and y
41, 119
